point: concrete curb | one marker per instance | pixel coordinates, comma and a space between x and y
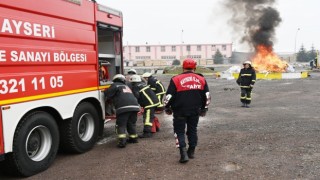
294, 75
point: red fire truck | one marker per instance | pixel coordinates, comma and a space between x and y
56, 57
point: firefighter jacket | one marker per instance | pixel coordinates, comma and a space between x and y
156, 85
187, 94
123, 98
246, 77
146, 97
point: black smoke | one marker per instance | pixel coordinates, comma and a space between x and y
254, 20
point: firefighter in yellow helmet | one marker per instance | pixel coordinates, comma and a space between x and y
246, 80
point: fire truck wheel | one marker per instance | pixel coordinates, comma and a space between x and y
80, 133
35, 144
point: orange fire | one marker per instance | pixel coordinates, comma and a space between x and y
266, 60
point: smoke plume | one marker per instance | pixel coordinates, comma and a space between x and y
254, 20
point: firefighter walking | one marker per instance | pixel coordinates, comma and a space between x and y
187, 98
246, 80
126, 106
148, 100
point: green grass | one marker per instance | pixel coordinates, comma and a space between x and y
178, 70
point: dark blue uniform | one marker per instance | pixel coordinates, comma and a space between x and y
148, 100
187, 96
246, 79
126, 106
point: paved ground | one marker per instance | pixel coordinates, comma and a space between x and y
277, 138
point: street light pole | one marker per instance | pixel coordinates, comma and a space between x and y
182, 36
295, 40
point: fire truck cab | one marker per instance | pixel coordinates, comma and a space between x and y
56, 58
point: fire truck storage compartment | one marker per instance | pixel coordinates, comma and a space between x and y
109, 38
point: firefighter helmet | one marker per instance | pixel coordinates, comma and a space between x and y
189, 63
119, 77
132, 71
146, 75
135, 78
247, 62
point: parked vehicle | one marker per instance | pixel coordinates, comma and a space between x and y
56, 57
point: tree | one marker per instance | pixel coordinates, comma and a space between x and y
312, 54
176, 62
302, 55
218, 58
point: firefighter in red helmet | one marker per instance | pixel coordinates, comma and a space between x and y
187, 97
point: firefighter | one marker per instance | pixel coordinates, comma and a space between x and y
246, 80
187, 97
312, 64
157, 87
126, 106
129, 74
148, 100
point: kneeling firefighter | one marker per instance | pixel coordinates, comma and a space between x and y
148, 100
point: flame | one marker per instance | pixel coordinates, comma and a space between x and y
266, 60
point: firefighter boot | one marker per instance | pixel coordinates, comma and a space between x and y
122, 143
184, 155
146, 132
146, 135
191, 152
132, 140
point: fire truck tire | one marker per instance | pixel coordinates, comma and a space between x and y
80, 133
35, 145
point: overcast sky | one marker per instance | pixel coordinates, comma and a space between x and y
204, 21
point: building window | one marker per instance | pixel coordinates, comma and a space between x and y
224, 47
148, 49
163, 49
143, 57
213, 48
194, 56
188, 47
168, 57
137, 49
173, 48
198, 48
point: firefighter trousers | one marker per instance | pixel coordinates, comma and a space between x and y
148, 117
161, 106
179, 126
245, 95
126, 122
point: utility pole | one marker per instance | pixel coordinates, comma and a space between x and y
295, 44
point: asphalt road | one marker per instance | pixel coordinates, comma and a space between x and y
277, 138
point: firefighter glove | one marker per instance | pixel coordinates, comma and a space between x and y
141, 111
203, 112
168, 111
